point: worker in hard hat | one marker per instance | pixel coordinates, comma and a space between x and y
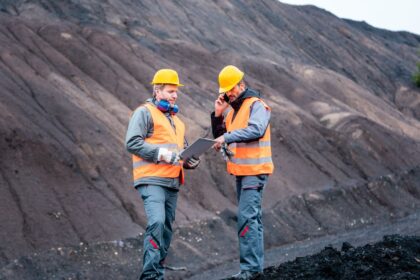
155, 136
243, 134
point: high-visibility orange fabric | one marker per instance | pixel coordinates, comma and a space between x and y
251, 158
164, 136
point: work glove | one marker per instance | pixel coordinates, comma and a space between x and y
192, 163
168, 156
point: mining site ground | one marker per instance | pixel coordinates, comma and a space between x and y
406, 226
395, 257
304, 225
121, 259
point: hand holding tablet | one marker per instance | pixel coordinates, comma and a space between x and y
196, 149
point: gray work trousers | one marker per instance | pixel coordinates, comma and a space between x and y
250, 228
159, 205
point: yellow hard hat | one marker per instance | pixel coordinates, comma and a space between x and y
229, 77
166, 76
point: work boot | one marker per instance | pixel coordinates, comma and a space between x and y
245, 275
152, 276
175, 268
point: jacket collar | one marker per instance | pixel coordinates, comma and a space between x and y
248, 92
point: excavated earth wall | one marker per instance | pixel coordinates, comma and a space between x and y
345, 127
211, 243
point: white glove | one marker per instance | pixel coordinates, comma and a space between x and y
168, 156
192, 163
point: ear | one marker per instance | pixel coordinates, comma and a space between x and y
242, 86
156, 93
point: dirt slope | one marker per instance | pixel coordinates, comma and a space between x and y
345, 119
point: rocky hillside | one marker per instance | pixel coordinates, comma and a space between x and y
345, 122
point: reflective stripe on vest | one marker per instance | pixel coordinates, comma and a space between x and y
252, 158
253, 144
164, 136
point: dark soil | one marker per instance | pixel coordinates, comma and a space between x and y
396, 257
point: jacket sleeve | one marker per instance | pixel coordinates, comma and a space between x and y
258, 122
217, 125
140, 127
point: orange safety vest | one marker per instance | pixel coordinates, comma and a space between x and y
164, 136
252, 158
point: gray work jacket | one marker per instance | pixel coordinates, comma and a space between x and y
140, 127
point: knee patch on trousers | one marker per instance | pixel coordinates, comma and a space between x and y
154, 242
244, 229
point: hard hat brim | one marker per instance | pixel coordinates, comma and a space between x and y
224, 90
180, 85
